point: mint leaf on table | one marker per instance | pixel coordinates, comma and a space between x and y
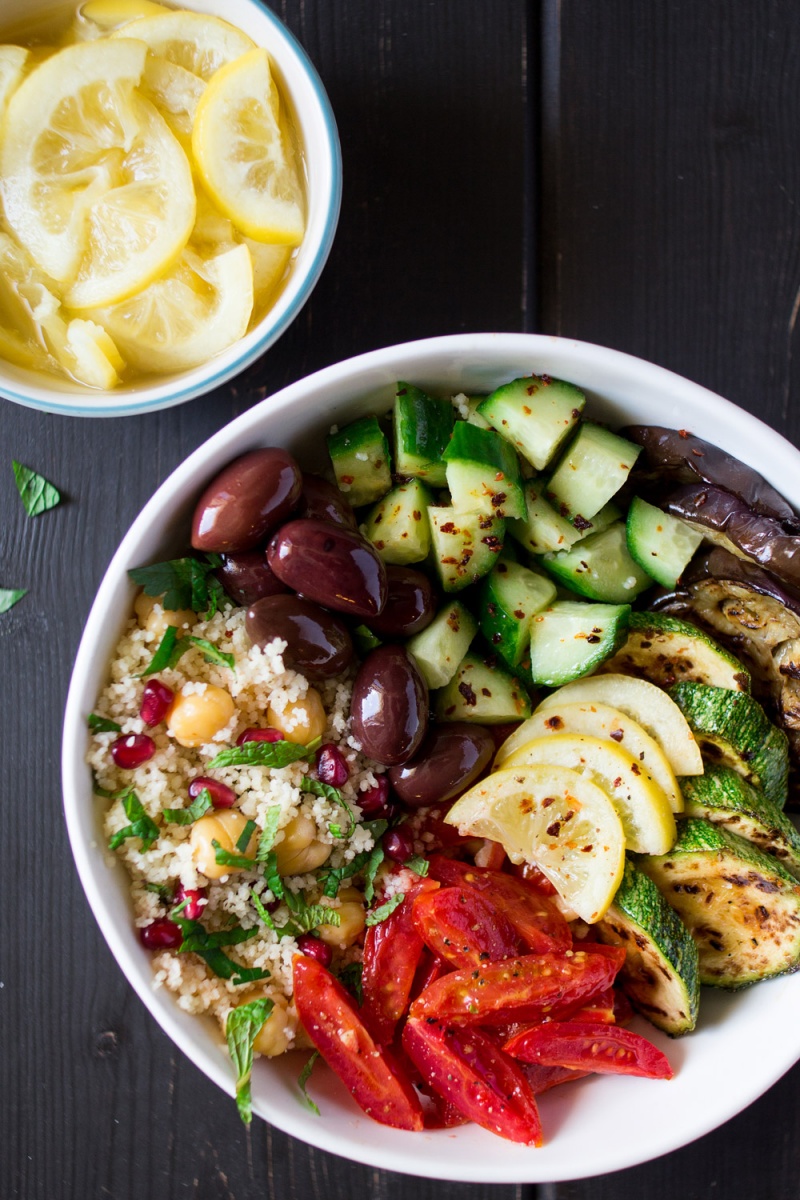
242, 1027
102, 724
10, 596
380, 914
302, 1081
187, 816
141, 826
36, 493
261, 754
183, 583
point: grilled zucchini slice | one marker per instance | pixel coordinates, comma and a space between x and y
667, 651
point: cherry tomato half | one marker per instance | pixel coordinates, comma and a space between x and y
392, 952
589, 1046
464, 927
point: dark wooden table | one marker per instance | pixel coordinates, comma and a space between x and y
620, 172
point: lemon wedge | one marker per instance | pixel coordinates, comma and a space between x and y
195, 41
12, 69
95, 186
243, 155
199, 308
557, 819
641, 804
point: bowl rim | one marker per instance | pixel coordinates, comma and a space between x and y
299, 285
391, 1149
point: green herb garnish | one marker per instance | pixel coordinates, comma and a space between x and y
302, 1081
242, 1027
196, 940
417, 864
187, 816
380, 914
225, 858
141, 826
183, 583
272, 875
268, 833
304, 917
244, 837
170, 650
162, 890
261, 754
350, 978
328, 792
213, 654
10, 596
36, 493
375, 859
102, 724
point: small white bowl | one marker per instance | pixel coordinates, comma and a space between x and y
316, 127
745, 1042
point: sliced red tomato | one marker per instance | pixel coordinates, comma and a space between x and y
605, 1049
623, 1011
476, 1077
392, 952
517, 989
532, 875
600, 1009
534, 916
464, 927
543, 1078
431, 968
329, 1017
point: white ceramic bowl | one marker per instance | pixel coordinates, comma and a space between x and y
316, 127
744, 1042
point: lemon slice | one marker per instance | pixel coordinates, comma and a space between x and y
12, 69
601, 721
195, 41
559, 820
199, 308
175, 92
95, 186
270, 264
641, 804
111, 14
243, 156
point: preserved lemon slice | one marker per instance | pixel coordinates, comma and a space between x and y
12, 68
197, 42
176, 93
269, 267
111, 14
95, 186
244, 159
559, 820
199, 308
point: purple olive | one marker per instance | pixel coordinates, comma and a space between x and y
318, 644
410, 603
247, 577
246, 501
389, 708
448, 761
322, 501
334, 566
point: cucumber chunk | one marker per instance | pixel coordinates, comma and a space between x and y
536, 414
591, 471
660, 543
510, 596
741, 906
570, 639
667, 651
467, 408
422, 428
660, 976
483, 473
398, 525
465, 545
482, 692
542, 529
440, 648
361, 461
600, 567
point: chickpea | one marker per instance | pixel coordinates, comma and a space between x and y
306, 718
224, 826
194, 717
352, 917
275, 1035
158, 622
300, 851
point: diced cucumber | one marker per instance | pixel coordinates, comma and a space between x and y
660, 543
361, 461
733, 730
465, 545
483, 472
542, 529
570, 639
536, 414
398, 525
666, 651
592, 469
467, 407
661, 972
608, 514
422, 428
510, 595
440, 647
600, 567
482, 692
741, 906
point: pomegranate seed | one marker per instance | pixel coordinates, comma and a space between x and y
162, 934
156, 699
221, 795
375, 802
132, 750
398, 845
315, 948
331, 766
259, 735
195, 901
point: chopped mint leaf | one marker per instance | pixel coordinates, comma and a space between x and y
225, 858
170, 650
350, 978
375, 859
328, 792
102, 724
162, 890
36, 493
334, 877
242, 1027
244, 837
304, 917
213, 654
302, 1081
10, 596
196, 940
380, 914
141, 826
187, 816
183, 583
263, 915
272, 875
271, 819
261, 754
417, 864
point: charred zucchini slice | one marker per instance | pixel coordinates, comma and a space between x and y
741, 906
667, 651
661, 971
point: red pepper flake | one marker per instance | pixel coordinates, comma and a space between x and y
468, 693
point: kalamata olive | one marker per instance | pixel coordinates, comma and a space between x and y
246, 501
248, 576
322, 501
389, 708
334, 566
449, 760
410, 603
318, 644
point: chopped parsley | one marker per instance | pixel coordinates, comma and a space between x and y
184, 583
102, 724
302, 1081
36, 493
141, 826
197, 940
10, 596
261, 754
380, 914
242, 1027
187, 816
